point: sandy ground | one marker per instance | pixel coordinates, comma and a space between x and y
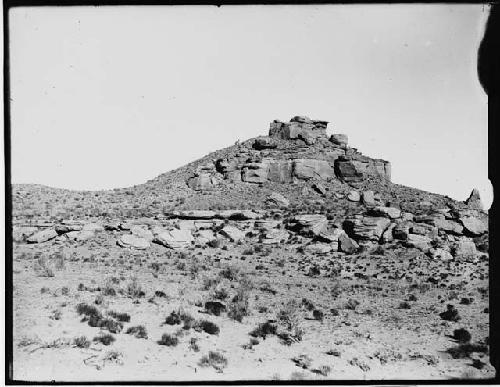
377, 340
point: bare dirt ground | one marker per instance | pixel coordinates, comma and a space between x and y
331, 316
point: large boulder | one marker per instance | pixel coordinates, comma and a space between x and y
346, 244
42, 236
174, 239
473, 225
439, 220
366, 227
368, 198
339, 139
312, 169
309, 225
133, 241
278, 199
232, 233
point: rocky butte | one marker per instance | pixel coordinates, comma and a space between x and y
297, 186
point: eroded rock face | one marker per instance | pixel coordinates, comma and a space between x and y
474, 200
464, 248
203, 181
339, 139
299, 127
312, 169
264, 143
474, 225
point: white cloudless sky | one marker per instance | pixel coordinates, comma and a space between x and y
106, 97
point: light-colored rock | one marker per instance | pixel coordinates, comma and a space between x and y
42, 236
174, 239
388, 212
141, 232
133, 241
346, 244
94, 227
473, 225
353, 196
278, 199
234, 234
318, 248
368, 198
187, 224
441, 254
309, 225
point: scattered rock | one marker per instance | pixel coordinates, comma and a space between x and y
388, 212
309, 225
368, 198
346, 244
366, 227
420, 242
278, 199
174, 239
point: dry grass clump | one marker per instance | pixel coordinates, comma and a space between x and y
139, 332
43, 267
81, 342
105, 339
168, 340
214, 359
289, 317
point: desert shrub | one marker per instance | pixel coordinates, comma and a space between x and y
318, 315
230, 272
248, 251
108, 289
323, 370
450, 314
289, 317
193, 344
404, 305
208, 327
298, 376
59, 262
462, 335
334, 312
43, 267
302, 361
105, 339
88, 310
139, 331
214, 359
81, 342
99, 300
173, 318
110, 325
209, 282
161, 294
134, 288
122, 317
168, 340
412, 297
351, 304
81, 287
466, 301
113, 356
240, 304
64, 290
264, 329
464, 350
214, 308
220, 293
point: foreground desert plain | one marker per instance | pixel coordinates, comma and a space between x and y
286, 257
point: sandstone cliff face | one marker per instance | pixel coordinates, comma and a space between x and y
296, 150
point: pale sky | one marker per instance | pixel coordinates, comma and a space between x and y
108, 97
